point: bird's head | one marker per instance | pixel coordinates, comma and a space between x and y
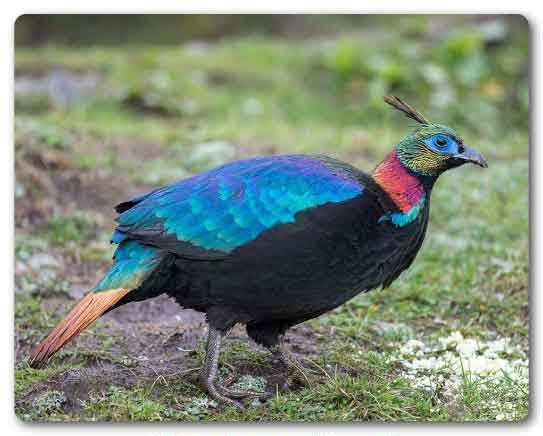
432, 148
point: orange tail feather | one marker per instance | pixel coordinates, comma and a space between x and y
82, 315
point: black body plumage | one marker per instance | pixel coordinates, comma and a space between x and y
294, 271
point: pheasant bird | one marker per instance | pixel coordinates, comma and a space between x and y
271, 242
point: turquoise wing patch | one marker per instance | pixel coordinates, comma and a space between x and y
226, 207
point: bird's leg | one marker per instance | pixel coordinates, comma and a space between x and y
208, 375
290, 366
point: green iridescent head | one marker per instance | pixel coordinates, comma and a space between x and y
432, 148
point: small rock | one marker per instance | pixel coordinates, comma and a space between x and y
494, 31
42, 260
439, 321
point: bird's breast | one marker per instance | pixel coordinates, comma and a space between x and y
325, 257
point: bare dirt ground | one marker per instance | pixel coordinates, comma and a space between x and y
153, 340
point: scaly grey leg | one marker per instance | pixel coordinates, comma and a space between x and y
208, 375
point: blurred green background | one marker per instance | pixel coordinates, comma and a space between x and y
314, 68
108, 106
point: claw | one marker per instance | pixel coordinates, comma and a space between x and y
208, 376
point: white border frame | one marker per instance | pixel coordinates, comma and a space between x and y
13, 426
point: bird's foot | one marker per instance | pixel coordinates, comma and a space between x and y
209, 376
292, 371
298, 374
218, 393
224, 395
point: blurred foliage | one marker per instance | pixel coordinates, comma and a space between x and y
443, 64
65, 29
482, 66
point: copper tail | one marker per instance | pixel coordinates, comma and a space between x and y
82, 315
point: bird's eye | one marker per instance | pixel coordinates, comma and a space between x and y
441, 142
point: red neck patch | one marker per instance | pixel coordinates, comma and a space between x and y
404, 188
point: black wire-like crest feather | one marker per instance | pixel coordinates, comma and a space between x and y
402, 106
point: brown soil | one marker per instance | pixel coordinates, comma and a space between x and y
152, 339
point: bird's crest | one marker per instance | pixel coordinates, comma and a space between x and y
409, 111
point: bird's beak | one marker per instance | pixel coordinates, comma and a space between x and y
473, 156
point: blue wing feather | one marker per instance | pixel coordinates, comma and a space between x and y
229, 206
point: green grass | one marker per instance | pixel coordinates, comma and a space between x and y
62, 230
153, 112
26, 377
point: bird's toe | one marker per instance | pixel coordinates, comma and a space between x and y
219, 395
243, 394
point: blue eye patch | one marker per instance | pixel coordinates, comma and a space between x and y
444, 144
